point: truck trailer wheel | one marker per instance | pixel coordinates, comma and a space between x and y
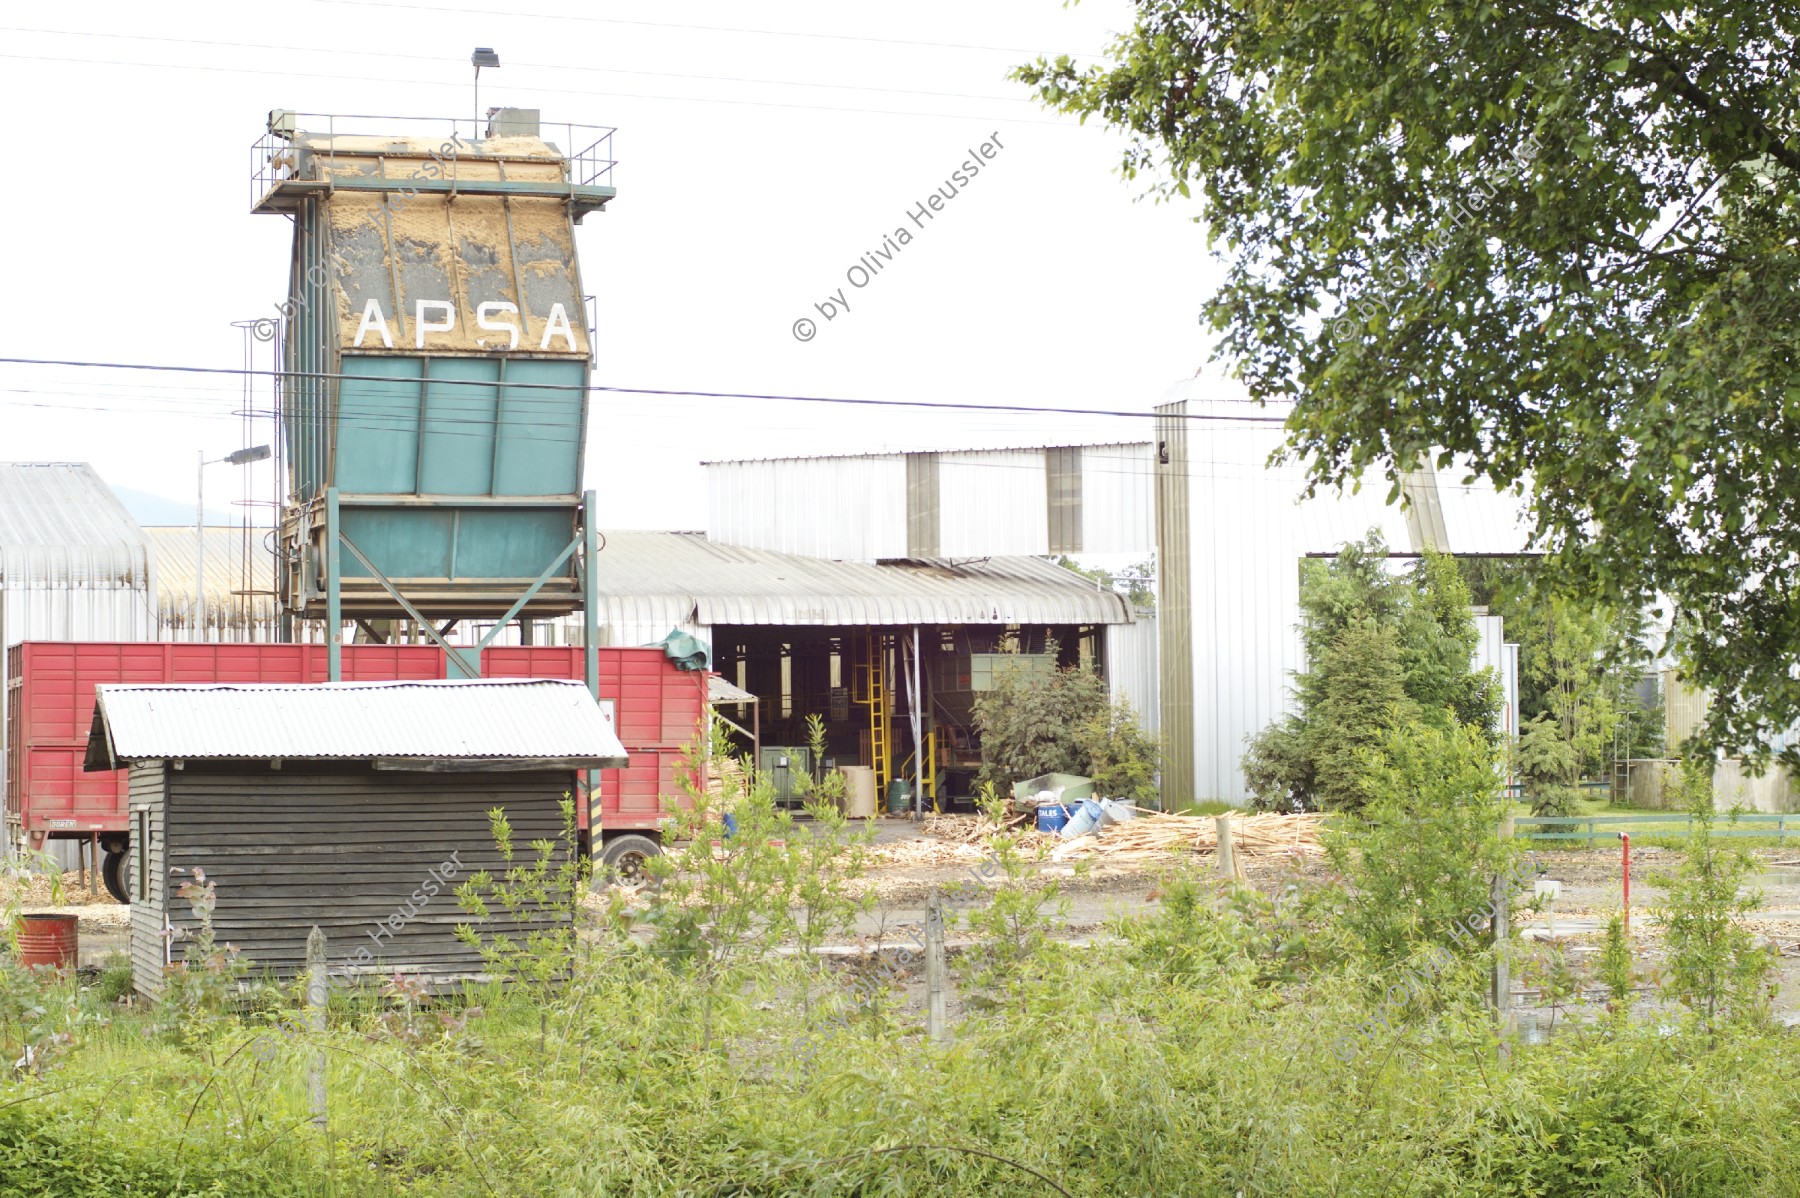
623, 858
113, 874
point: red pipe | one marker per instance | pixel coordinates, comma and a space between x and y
1626, 838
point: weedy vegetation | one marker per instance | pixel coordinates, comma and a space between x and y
650, 1042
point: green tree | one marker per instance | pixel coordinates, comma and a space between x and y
1136, 582
1359, 696
1383, 650
1559, 244
1549, 767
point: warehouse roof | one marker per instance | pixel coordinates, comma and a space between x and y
677, 578
240, 590
61, 525
498, 723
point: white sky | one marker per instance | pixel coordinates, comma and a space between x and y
125, 200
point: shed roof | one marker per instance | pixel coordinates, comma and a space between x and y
61, 525
500, 723
676, 578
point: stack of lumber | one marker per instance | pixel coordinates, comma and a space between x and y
1157, 832
725, 782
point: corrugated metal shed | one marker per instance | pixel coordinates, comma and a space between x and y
536, 719
663, 580
239, 591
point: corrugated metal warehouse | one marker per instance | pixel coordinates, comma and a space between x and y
332, 805
238, 590
1227, 530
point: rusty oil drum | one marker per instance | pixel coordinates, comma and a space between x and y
48, 940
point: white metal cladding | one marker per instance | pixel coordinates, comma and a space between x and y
1493, 653
992, 502
667, 580
1477, 519
73, 563
231, 614
478, 718
1118, 506
61, 526
850, 508
1132, 671
1247, 530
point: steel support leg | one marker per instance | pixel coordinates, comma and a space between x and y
590, 650
334, 589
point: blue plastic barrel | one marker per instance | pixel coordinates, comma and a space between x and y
1051, 817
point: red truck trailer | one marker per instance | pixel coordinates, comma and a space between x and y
658, 712
50, 706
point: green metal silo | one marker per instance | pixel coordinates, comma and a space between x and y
435, 357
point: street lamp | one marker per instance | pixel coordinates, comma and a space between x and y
241, 457
483, 57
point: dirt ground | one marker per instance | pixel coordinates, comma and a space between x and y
907, 862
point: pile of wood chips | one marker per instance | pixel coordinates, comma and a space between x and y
75, 893
1151, 832
976, 830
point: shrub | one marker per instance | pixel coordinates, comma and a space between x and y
1424, 849
1065, 722
1715, 968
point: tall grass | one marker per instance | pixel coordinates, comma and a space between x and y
1105, 1069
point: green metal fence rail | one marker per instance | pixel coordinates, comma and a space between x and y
1608, 827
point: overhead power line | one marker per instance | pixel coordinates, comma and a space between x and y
544, 66
266, 73
937, 405
440, 11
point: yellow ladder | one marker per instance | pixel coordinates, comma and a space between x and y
872, 692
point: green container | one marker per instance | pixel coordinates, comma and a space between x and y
899, 797
1074, 786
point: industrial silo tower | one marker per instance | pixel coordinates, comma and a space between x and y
435, 357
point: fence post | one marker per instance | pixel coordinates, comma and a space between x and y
1227, 867
1500, 990
937, 1027
317, 991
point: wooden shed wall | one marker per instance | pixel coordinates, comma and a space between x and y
147, 892
347, 848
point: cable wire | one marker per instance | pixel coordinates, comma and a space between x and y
935, 405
